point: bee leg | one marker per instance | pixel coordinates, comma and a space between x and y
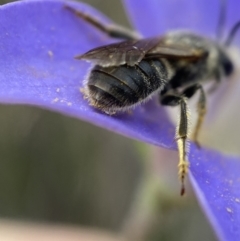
201, 108
112, 30
181, 134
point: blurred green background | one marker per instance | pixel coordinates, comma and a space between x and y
57, 169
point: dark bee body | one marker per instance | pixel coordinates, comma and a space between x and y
117, 88
173, 66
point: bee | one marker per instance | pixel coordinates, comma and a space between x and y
173, 66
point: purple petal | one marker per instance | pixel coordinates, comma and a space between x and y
233, 16
162, 16
216, 180
38, 40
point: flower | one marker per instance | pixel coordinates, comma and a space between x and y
38, 40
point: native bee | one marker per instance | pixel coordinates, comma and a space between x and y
173, 66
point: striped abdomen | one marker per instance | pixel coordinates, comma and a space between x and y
111, 89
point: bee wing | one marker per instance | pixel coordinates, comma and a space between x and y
174, 51
131, 52
128, 52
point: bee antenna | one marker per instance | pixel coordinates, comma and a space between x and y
222, 19
232, 33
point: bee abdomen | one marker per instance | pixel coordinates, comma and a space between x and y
114, 88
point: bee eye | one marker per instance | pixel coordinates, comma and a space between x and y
227, 66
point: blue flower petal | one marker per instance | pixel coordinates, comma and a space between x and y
38, 40
216, 180
162, 16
